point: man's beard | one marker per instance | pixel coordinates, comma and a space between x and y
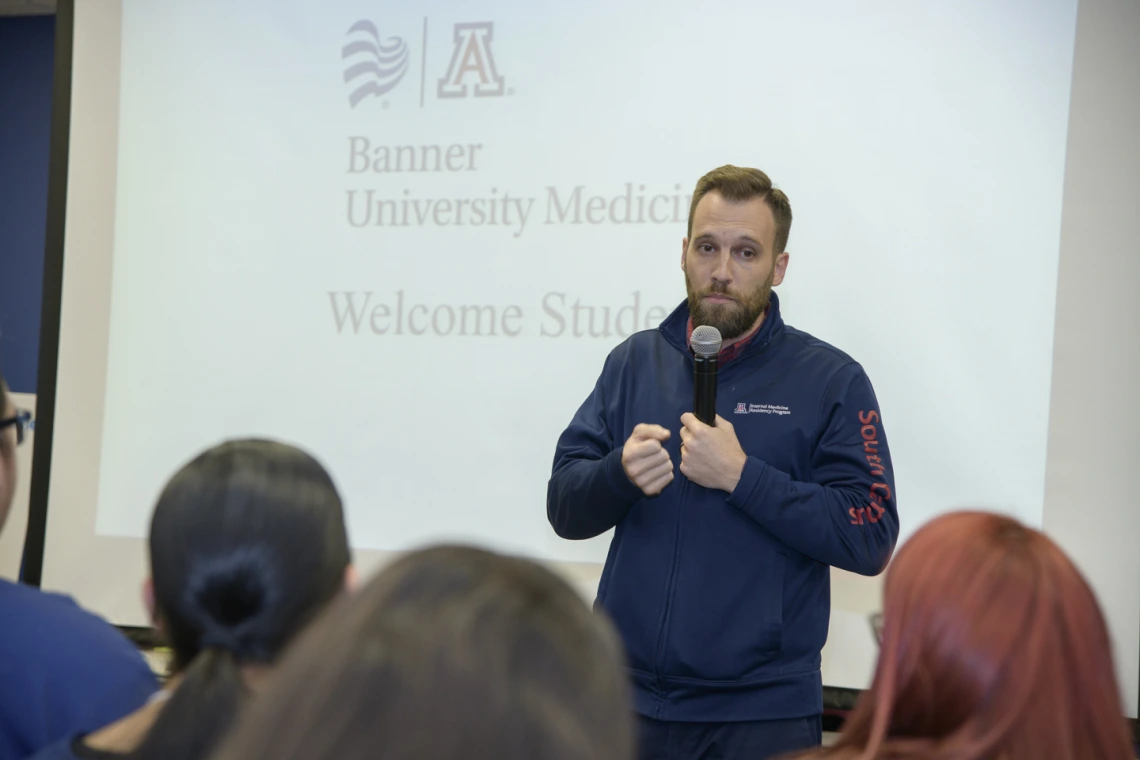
732, 319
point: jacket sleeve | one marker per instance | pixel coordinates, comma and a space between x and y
846, 515
589, 492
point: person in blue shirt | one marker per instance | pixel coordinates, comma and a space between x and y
62, 669
718, 571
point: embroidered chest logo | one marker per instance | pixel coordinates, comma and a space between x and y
778, 409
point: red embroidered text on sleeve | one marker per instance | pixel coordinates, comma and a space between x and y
880, 491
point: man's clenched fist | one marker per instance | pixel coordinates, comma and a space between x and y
645, 460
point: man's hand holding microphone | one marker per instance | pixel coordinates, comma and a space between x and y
711, 456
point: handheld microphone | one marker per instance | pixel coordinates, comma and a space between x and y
706, 346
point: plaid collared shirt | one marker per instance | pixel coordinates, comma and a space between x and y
729, 352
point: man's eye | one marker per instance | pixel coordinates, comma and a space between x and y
747, 254
706, 248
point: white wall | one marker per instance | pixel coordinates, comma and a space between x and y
1092, 507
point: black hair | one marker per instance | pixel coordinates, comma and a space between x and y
247, 544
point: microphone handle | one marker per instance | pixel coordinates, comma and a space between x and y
704, 389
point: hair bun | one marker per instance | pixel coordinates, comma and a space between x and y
220, 638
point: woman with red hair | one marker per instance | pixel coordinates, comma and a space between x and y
993, 647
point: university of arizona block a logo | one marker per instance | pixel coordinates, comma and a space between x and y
472, 63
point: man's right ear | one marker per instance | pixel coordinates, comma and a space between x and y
684, 250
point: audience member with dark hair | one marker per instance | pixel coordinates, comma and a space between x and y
449, 653
62, 670
247, 545
993, 646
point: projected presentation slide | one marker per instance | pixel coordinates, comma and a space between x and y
407, 235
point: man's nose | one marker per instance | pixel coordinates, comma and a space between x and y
722, 272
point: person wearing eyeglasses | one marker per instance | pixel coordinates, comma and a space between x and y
21, 420
17, 420
63, 670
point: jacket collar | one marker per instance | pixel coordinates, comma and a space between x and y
675, 328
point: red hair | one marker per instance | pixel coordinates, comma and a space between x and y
993, 646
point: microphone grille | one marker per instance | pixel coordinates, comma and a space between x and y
705, 341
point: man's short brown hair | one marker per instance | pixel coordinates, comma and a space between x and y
738, 184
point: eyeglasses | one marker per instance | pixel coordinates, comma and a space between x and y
22, 421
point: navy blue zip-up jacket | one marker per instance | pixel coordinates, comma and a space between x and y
723, 600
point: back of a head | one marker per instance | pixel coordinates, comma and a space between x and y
450, 653
247, 545
993, 645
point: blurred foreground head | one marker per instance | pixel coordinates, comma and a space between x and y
451, 652
993, 646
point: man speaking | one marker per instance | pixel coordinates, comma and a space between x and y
718, 573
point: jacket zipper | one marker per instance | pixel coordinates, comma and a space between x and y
671, 583
663, 629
